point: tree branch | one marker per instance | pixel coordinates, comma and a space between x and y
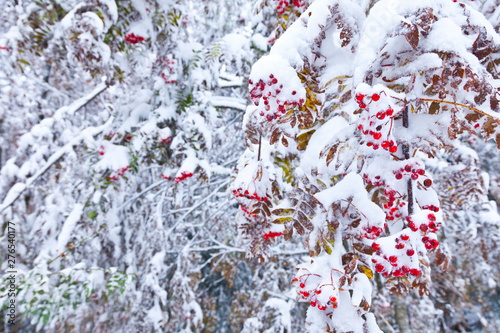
496, 118
16, 190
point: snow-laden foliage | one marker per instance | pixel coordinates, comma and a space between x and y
120, 129
123, 165
350, 108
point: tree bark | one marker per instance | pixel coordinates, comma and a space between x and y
400, 309
401, 314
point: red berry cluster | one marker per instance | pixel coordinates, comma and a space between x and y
431, 207
320, 295
371, 232
422, 228
392, 208
397, 265
426, 222
119, 173
272, 234
377, 124
166, 140
425, 225
239, 193
245, 209
183, 176
412, 170
100, 151
167, 62
269, 91
133, 39
375, 182
283, 5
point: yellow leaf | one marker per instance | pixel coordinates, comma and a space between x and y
368, 272
282, 220
327, 248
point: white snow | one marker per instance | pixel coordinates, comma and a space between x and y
67, 229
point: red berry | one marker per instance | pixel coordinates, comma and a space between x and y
414, 272
302, 285
399, 176
333, 299
393, 149
377, 136
431, 217
410, 252
405, 237
318, 291
393, 259
423, 227
414, 176
375, 97
421, 172
379, 268
390, 112
408, 168
294, 92
428, 183
375, 246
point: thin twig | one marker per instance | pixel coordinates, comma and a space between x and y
384, 320
497, 120
194, 207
